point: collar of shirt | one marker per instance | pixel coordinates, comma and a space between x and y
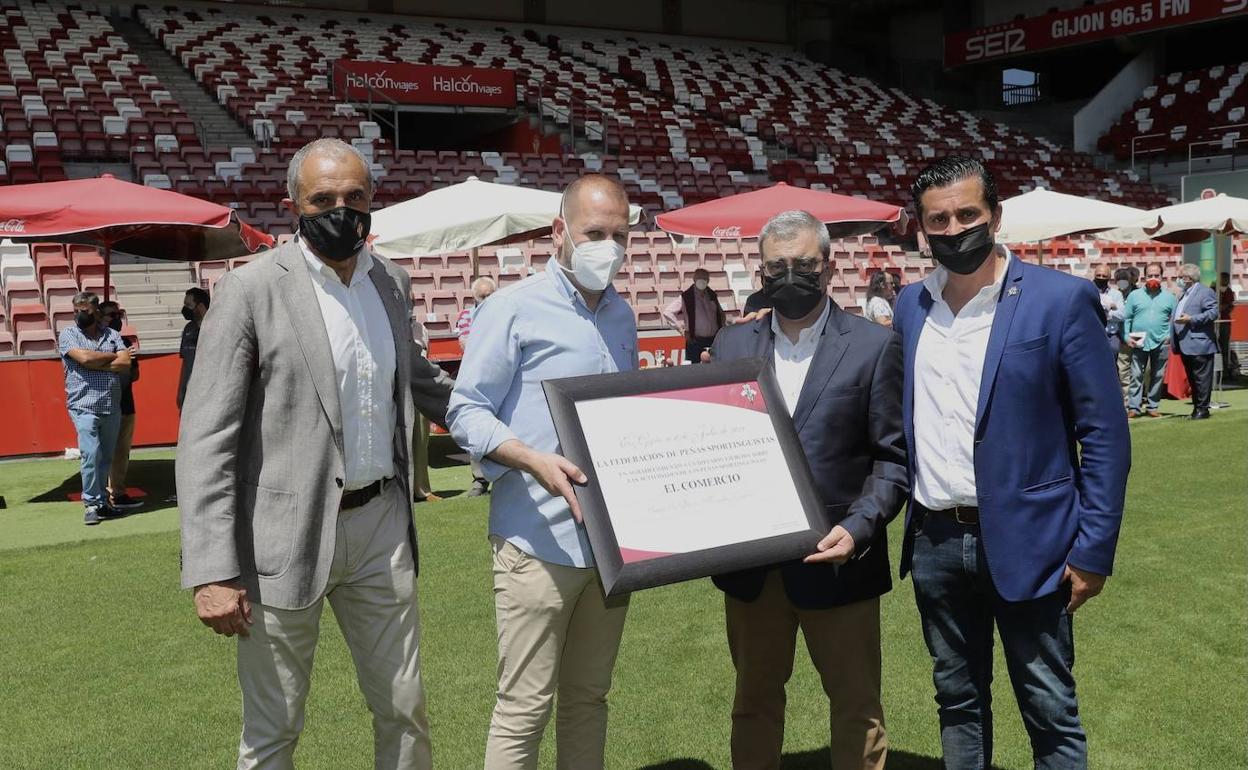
807, 338
563, 285
938, 278
323, 272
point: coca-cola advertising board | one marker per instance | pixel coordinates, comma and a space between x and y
424, 84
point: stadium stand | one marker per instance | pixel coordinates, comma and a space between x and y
678, 123
1180, 108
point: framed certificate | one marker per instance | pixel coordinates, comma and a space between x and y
692, 471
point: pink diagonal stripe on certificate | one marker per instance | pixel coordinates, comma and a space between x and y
630, 555
745, 395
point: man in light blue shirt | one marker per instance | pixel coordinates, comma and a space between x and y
556, 633
94, 357
1146, 329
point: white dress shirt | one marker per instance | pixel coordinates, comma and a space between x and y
793, 358
362, 345
948, 367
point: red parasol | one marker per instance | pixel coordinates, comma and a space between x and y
743, 215
113, 214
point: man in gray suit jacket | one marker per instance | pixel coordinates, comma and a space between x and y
294, 468
1193, 336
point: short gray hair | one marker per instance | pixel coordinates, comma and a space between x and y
86, 297
331, 146
787, 225
483, 284
1190, 271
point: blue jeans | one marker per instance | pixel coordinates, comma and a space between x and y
97, 438
959, 606
1155, 361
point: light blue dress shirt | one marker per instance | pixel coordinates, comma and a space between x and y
538, 329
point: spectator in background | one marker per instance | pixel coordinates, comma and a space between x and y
110, 316
880, 296
1226, 306
482, 288
1125, 279
194, 308
1146, 329
1194, 338
1113, 305
696, 314
422, 489
94, 358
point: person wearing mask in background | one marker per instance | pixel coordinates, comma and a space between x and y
482, 288
896, 280
422, 488
111, 316
1019, 453
194, 308
880, 298
1146, 330
696, 314
557, 635
1113, 305
1192, 330
1125, 279
840, 377
94, 358
1226, 306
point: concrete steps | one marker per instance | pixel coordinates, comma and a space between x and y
217, 128
152, 292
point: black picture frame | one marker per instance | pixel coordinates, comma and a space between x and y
619, 577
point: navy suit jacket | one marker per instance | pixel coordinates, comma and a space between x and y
848, 419
1052, 449
1196, 337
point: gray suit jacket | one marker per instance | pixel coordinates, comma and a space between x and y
260, 463
1197, 337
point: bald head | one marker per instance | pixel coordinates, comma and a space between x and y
594, 208
593, 189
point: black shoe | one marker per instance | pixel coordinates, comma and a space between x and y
479, 487
107, 511
1200, 414
126, 502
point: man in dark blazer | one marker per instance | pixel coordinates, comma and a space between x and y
841, 379
1192, 333
1018, 454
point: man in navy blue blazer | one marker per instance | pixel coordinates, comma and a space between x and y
1193, 336
1018, 459
840, 376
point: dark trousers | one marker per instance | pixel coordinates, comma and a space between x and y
959, 607
1200, 375
694, 348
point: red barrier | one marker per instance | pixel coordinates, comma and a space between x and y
36, 422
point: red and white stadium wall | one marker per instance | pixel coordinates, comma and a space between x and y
32, 392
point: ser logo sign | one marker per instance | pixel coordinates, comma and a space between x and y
994, 44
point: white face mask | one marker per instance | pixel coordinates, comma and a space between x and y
595, 263
1122, 285
701, 284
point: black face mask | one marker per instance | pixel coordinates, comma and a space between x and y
337, 234
187, 313
84, 319
965, 252
115, 324
1101, 283
794, 294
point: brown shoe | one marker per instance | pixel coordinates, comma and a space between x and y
1132, 414
1154, 413
432, 498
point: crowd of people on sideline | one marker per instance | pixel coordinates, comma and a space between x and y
305, 398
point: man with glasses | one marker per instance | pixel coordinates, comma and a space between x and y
841, 377
1146, 329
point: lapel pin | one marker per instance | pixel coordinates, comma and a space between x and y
1012, 292
398, 296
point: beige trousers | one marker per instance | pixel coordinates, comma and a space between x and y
1124, 370
557, 640
372, 590
844, 645
421, 488
121, 456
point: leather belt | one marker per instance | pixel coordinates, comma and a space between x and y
962, 514
357, 497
